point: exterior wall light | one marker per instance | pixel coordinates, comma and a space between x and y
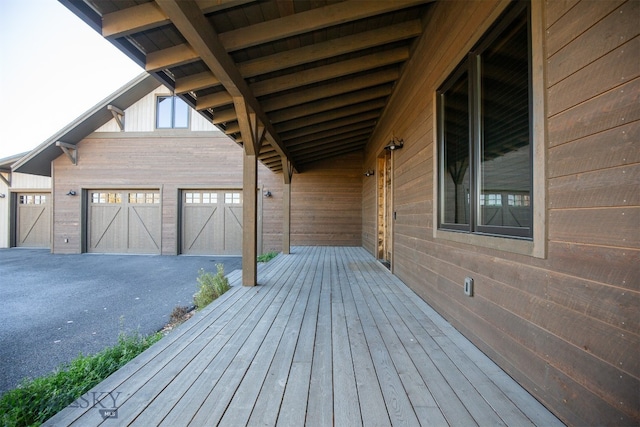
394, 144
267, 193
370, 172
2, 195
71, 193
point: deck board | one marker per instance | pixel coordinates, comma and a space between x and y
329, 337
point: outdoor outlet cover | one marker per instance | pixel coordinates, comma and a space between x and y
468, 286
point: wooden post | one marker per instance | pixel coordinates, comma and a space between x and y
286, 207
249, 220
252, 134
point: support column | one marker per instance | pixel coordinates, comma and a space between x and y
252, 134
286, 207
249, 220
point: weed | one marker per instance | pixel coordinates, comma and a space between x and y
211, 287
178, 314
267, 257
36, 400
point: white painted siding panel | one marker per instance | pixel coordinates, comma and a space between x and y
25, 181
4, 216
141, 116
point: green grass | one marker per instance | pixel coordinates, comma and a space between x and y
211, 287
267, 257
35, 401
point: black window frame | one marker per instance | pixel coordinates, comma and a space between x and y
173, 112
471, 66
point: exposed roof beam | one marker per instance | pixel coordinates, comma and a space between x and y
196, 29
327, 72
332, 137
170, 57
310, 20
213, 100
308, 130
330, 104
132, 20
148, 15
331, 115
224, 116
335, 88
330, 146
196, 82
304, 160
345, 130
331, 48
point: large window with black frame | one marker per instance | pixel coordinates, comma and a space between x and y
484, 132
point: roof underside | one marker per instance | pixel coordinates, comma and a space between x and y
316, 73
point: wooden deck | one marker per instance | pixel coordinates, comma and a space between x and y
329, 337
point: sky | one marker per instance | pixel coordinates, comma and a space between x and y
53, 68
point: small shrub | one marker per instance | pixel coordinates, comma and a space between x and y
178, 314
211, 287
267, 257
35, 401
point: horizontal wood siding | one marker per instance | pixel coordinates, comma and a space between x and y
565, 326
326, 203
169, 162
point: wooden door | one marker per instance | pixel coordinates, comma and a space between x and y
211, 222
124, 221
33, 220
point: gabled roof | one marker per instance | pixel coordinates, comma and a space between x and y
38, 161
6, 162
317, 75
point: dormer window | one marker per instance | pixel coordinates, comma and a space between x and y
171, 113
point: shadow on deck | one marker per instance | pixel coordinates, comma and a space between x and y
329, 337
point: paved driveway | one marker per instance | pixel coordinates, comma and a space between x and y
54, 307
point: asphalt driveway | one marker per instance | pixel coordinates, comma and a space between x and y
54, 307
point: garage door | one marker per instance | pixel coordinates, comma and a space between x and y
212, 222
33, 220
124, 221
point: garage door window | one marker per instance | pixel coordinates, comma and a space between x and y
144, 198
232, 198
33, 199
106, 198
200, 198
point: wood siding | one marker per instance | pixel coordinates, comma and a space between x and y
326, 203
564, 325
165, 161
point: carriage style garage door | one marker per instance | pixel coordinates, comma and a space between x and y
124, 221
33, 220
211, 222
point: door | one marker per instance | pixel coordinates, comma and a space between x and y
385, 209
33, 220
124, 221
211, 222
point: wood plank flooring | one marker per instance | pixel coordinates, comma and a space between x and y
329, 337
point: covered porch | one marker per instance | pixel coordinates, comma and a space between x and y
328, 337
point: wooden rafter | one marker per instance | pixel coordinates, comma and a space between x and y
304, 22
203, 39
170, 57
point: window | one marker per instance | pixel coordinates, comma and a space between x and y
171, 113
106, 198
232, 198
144, 198
201, 198
33, 199
484, 132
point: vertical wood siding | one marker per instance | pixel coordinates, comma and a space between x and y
566, 326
